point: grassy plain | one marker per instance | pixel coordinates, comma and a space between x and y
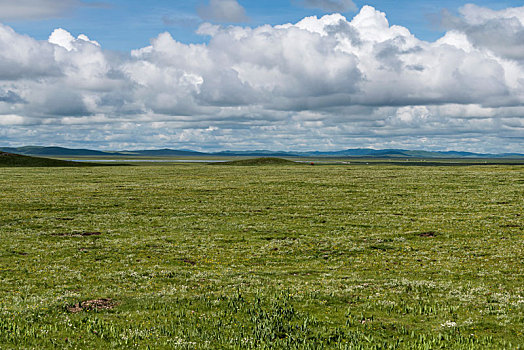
283, 257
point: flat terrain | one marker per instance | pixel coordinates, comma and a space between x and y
283, 257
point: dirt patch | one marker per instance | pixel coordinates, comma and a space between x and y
20, 253
95, 304
427, 234
189, 261
86, 234
78, 234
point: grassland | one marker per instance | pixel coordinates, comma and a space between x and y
209, 257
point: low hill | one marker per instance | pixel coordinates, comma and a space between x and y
161, 153
41, 151
53, 151
17, 160
257, 153
259, 162
70, 152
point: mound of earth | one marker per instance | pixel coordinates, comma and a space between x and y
17, 160
259, 161
96, 304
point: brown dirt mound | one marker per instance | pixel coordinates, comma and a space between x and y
428, 234
95, 304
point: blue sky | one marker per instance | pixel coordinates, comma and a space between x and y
129, 24
280, 75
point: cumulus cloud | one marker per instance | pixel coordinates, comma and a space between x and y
63, 38
324, 83
500, 31
228, 11
23, 57
331, 5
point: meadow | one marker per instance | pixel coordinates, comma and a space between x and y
262, 257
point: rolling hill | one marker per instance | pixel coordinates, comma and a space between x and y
17, 160
166, 152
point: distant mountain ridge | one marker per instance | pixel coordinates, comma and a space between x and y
166, 152
53, 151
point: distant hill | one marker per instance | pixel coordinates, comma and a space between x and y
160, 153
257, 153
16, 160
402, 153
259, 162
354, 153
71, 152
53, 151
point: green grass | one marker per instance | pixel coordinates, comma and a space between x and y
276, 257
17, 160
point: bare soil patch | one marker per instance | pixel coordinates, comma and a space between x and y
95, 304
79, 234
428, 234
188, 261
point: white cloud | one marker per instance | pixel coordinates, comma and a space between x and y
24, 57
476, 15
500, 31
321, 83
331, 5
36, 9
11, 119
229, 11
63, 38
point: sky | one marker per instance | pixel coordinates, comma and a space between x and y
285, 75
